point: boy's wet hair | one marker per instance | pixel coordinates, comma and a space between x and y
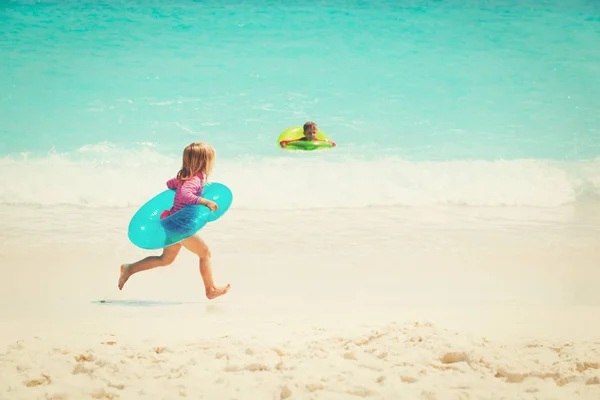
310, 125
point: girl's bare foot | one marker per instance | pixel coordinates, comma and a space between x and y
215, 292
125, 274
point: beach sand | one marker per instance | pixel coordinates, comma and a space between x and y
385, 303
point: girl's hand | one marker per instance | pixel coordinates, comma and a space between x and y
210, 204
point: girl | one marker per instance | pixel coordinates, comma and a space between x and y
198, 161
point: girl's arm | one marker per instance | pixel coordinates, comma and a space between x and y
191, 191
172, 183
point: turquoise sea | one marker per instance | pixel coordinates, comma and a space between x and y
478, 103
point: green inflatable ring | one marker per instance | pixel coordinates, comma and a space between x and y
297, 132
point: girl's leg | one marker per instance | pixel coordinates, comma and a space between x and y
167, 257
198, 247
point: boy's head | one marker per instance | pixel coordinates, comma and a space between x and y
310, 130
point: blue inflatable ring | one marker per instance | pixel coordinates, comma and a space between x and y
148, 231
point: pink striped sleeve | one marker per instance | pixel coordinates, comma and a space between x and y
172, 183
191, 190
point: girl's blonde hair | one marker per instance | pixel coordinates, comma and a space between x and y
197, 157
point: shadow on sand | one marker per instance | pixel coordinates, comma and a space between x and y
143, 303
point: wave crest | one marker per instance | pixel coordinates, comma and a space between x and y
105, 176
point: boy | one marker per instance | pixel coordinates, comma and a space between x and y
310, 134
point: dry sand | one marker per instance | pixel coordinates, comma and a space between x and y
393, 306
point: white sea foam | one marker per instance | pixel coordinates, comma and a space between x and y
103, 175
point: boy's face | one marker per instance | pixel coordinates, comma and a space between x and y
310, 133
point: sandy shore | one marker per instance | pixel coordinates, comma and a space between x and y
385, 305
407, 360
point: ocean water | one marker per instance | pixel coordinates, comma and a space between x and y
476, 103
